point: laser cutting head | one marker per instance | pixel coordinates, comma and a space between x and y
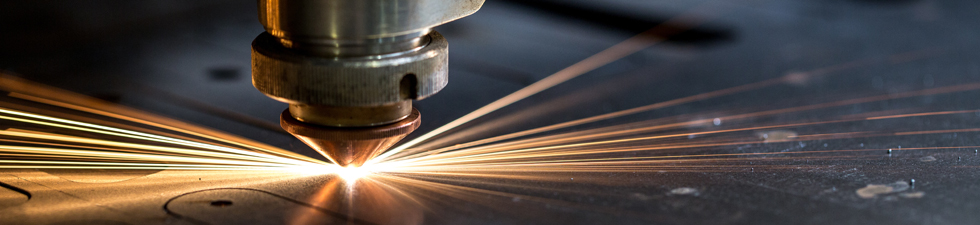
350, 146
350, 69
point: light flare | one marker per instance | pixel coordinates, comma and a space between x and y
352, 173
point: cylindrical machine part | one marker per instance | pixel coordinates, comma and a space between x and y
353, 63
383, 84
349, 69
343, 23
351, 116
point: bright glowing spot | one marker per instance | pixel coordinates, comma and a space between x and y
351, 174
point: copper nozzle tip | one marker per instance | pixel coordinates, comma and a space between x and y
350, 146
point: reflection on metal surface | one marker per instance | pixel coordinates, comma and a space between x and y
134, 201
371, 200
245, 206
99, 175
873, 190
777, 135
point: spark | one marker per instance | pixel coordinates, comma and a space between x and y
786, 79
632, 45
922, 114
407, 175
472, 170
594, 150
35, 138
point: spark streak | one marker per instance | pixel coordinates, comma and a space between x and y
615, 149
32, 140
632, 45
418, 172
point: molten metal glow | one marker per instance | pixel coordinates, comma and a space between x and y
351, 173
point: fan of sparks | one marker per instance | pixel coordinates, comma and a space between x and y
47, 128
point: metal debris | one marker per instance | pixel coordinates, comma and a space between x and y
684, 191
873, 190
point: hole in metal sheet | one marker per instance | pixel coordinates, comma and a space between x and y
221, 203
11, 196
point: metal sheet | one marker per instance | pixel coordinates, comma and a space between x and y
847, 50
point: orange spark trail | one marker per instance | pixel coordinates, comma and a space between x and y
632, 45
789, 78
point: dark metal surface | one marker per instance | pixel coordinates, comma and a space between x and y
200, 51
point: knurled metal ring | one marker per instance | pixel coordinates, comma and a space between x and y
349, 81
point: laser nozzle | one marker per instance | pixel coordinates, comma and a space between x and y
350, 146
